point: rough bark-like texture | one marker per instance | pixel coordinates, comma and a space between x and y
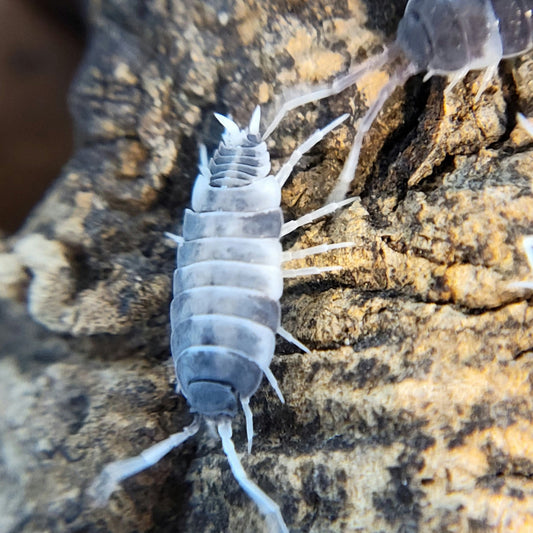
413, 411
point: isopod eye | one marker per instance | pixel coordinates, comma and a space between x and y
211, 399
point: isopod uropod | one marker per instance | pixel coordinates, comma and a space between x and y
443, 37
227, 285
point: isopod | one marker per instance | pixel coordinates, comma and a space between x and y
440, 37
225, 312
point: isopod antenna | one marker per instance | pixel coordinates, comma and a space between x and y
402, 69
398, 78
325, 90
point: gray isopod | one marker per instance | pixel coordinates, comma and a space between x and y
227, 285
443, 37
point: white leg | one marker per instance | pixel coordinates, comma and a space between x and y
525, 123
317, 136
248, 416
338, 85
273, 383
528, 285
289, 255
348, 172
453, 80
115, 472
288, 337
266, 505
527, 243
485, 80
178, 239
314, 215
309, 271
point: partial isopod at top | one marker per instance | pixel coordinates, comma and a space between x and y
443, 37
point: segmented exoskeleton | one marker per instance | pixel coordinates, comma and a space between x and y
227, 285
443, 37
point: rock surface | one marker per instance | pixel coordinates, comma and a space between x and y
413, 411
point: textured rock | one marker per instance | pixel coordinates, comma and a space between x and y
413, 411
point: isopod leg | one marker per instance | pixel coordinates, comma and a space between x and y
485, 80
453, 79
528, 247
309, 271
115, 472
314, 215
350, 166
273, 383
289, 255
338, 85
266, 505
528, 285
288, 337
178, 239
317, 136
525, 123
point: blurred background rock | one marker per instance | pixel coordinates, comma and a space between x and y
41, 43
